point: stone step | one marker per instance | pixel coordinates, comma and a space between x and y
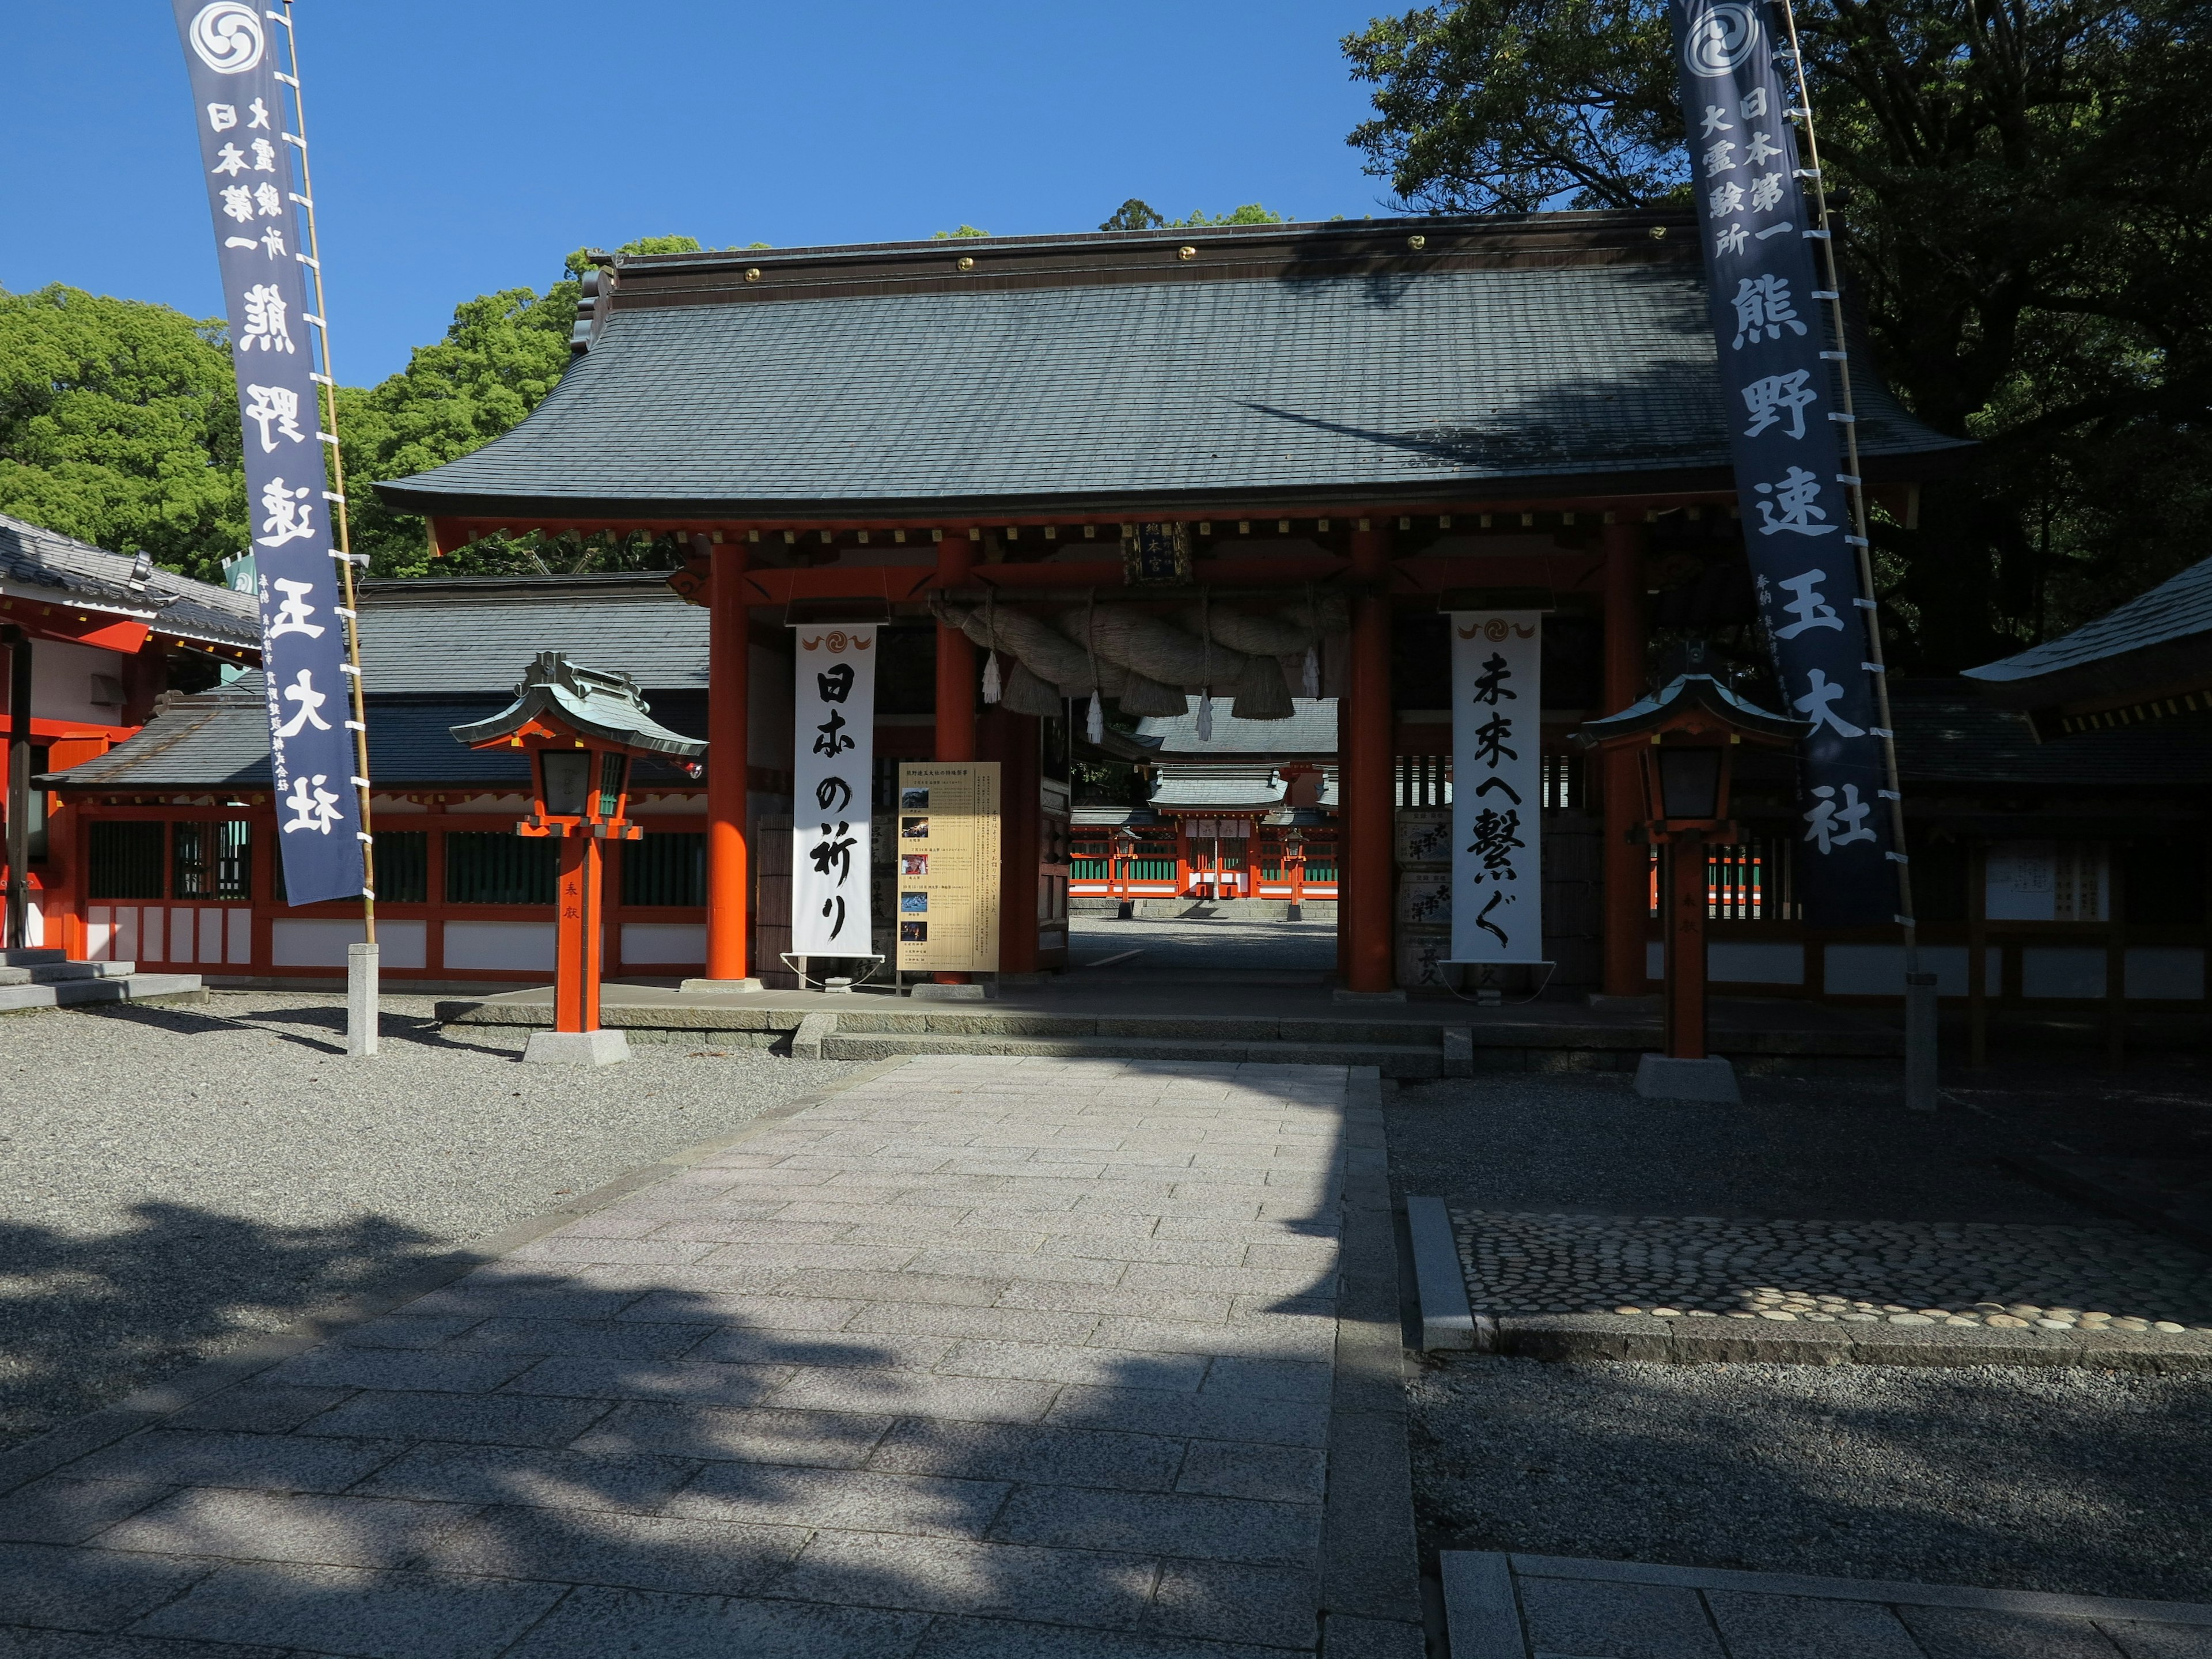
1403, 1061
972, 1019
30, 955
53, 972
128, 988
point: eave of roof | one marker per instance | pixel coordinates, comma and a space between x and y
42, 564
2158, 644
853, 382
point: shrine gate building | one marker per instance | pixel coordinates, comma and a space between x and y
1384, 414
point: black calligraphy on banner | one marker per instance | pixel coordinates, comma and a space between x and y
1780, 372
834, 745
248, 159
1496, 786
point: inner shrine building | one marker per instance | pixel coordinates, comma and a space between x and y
1350, 427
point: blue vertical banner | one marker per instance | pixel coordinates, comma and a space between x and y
248, 158
1780, 375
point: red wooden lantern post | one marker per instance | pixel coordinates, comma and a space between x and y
1685, 739
581, 729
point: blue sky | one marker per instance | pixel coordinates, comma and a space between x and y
466, 146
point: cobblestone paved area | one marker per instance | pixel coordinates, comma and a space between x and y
2053, 1278
982, 1357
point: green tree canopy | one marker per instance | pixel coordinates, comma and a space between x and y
118, 425
2026, 203
1136, 213
965, 231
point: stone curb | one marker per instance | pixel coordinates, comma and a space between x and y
67, 1442
1734, 1341
1370, 1578
1440, 1283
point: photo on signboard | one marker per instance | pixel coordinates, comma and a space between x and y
914, 829
914, 801
913, 904
914, 863
913, 933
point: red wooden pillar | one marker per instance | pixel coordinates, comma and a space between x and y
1682, 912
955, 659
576, 958
955, 736
1628, 863
729, 668
1363, 747
1014, 744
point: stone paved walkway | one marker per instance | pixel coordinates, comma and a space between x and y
1534, 1606
2087, 1278
982, 1357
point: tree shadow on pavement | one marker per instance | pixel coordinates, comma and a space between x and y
83, 1320
559, 1455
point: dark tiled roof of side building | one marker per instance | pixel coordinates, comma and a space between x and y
1947, 733
76, 572
1275, 364
2152, 639
437, 655
219, 740
478, 633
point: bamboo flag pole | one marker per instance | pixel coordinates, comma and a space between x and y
1920, 1050
327, 381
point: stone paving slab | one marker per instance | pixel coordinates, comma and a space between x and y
1717, 1289
1525, 1606
983, 1356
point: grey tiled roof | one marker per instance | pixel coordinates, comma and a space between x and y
34, 557
480, 633
1946, 734
1310, 734
2175, 609
219, 740
1409, 381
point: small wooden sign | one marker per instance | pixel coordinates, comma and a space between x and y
1156, 555
945, 868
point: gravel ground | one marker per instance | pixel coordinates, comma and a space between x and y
1833, 1150
2092, 1483
174, 1180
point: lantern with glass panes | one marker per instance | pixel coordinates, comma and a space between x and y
582, 730
1685, 738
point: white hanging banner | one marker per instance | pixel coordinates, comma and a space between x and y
1497, 802
834, 754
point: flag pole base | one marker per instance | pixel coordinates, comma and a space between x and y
362, 974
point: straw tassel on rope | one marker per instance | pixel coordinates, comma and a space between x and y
991, 686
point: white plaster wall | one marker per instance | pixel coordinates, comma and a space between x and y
61, 683
683, 943
304, 942
509, 945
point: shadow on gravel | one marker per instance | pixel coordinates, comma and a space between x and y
83, 1320
420, 1030
2090, 1483
184, 1022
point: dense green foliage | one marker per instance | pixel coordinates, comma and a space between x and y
2026, 201
1136, 213
118, 425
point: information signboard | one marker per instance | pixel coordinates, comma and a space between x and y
947, 875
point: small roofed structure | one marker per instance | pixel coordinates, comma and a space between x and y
603, 709
2150, 660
